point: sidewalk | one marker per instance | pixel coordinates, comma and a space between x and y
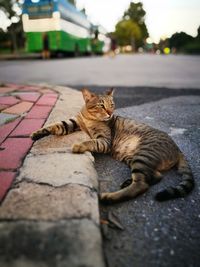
49, 206
20, 56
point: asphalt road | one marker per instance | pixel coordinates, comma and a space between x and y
156, 234
123, 70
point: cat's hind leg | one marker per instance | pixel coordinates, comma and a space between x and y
126, 183
155, 179
137, 186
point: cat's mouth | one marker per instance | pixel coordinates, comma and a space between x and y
108, 118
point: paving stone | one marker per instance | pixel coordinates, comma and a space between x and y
54, 143
39, 112
31, 97
30, 88
63, 168
14, 86
5, 118
63, 111
6, 129
46, 91
8, 100
73, 243
29, 201
14, 150
48, 100
2, 107
20, 108
4, 90
6, 179
52, 95
27, 126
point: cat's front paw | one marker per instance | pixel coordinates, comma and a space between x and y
78, 148
35, 136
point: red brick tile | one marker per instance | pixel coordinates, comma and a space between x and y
8, 100
6, 129
19, 108
30, 88
39, 112
31, 97
47, 100
14, 151
4, 90
14, 86
53, 94
2, 107
27, 126
6, 179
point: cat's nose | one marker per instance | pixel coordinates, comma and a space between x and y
109, 112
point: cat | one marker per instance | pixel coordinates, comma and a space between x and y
147, 151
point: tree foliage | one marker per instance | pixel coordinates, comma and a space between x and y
198, 33
12, 11
73, 2
192, 45
135, 12
132, 26
179, 40
7, 8
127, 32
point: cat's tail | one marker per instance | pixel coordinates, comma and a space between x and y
185, 186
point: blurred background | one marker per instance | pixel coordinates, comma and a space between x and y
63, 27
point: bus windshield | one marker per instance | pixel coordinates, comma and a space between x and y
40, 9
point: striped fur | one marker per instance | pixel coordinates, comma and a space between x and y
149, 152
60, 128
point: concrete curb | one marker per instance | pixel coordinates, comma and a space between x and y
53, 202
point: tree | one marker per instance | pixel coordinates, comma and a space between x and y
132, 30
182, 42
73, 2
179, 40
12, 10
136, 13
193, 45
127, 32
83, 10
198, 33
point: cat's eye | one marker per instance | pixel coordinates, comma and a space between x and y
102, 105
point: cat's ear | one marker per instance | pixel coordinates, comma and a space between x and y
110, 91
87, 95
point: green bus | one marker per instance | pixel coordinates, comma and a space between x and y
57, 26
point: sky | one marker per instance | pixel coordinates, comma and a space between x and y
163, 17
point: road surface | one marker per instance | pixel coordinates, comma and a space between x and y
156, 234
123, 70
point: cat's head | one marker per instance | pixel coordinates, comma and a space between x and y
99, 107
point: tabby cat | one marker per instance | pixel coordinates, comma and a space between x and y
149, 152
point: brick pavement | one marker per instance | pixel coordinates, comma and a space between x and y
23, 109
